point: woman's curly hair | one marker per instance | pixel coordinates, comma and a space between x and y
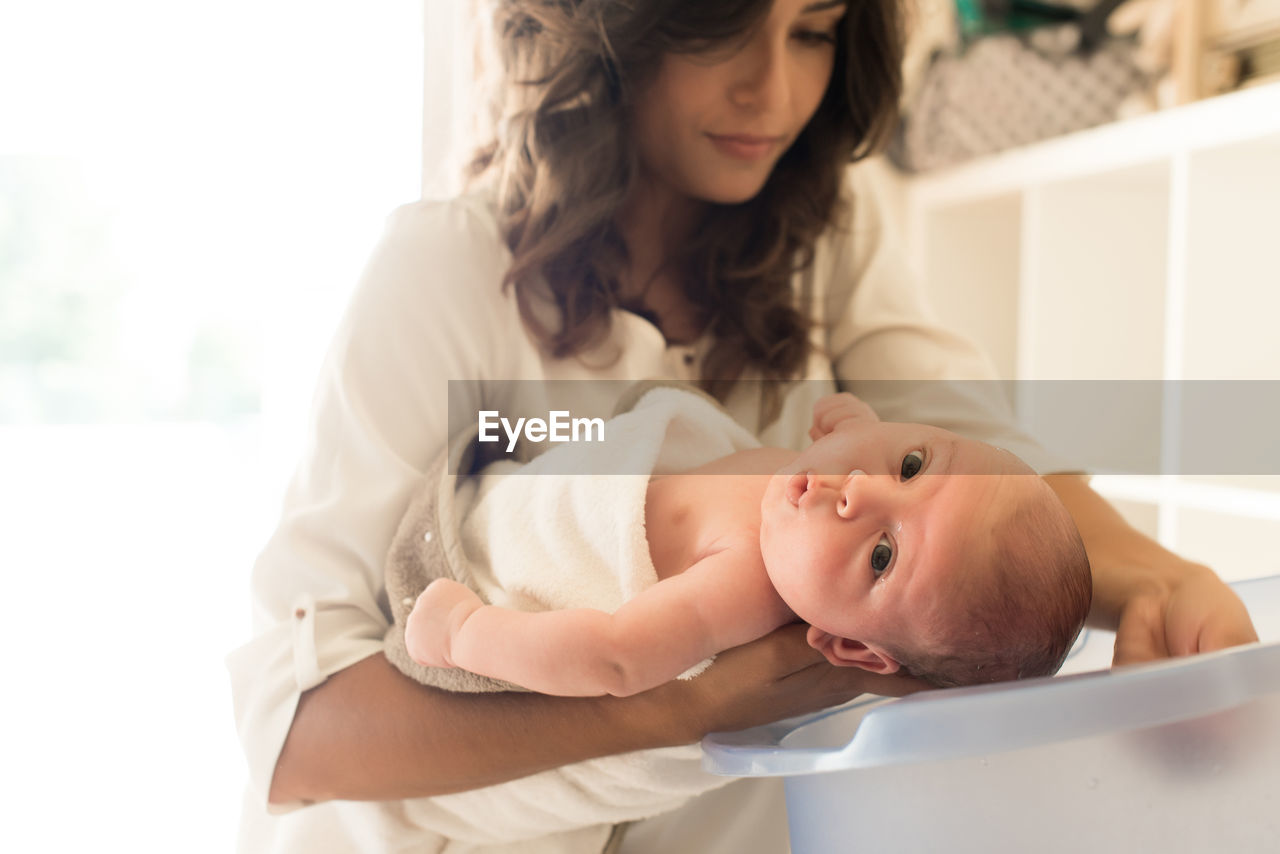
562, 160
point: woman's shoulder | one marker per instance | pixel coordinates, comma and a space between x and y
464, 220
436, 247
440, 263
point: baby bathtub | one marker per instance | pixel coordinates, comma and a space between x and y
1174, 756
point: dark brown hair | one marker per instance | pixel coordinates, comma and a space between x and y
562, 161
1018, 616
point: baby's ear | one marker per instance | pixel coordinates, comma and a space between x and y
846, 652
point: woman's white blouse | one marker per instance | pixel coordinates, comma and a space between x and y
429, 308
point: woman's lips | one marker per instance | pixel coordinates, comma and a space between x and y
743, 147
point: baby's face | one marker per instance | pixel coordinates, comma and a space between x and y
858, 531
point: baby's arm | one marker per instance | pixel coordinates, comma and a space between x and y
722, 601
833, 409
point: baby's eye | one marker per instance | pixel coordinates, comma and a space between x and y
881, 555
911, 464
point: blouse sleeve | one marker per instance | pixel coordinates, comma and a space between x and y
887, 347
428, 308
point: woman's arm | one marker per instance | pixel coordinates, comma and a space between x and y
380, 413
371, 733
1158, 603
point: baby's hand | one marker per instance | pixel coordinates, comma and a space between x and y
833, 409
437, 614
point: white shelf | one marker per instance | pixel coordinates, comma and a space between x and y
1142, 250
1219, 122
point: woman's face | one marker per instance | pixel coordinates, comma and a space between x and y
711, 125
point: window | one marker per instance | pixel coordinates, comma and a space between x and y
187, 194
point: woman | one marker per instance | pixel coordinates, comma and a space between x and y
664, 198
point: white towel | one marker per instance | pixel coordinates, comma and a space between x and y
567, 530
547, 539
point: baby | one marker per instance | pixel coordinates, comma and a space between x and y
903, 546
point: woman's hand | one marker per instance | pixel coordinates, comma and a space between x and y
1158, 603
1196, 613
778, 676
831, 410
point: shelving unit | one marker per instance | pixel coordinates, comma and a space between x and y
1130, 256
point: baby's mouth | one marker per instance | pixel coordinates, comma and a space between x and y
797, 486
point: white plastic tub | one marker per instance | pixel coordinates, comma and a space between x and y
1176, 756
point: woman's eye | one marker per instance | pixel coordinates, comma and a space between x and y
911, 464
816, 37
881, 555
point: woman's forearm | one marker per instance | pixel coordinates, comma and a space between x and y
1125, 562
1157, 603
370, 733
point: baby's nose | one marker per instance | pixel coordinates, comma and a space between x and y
858, 488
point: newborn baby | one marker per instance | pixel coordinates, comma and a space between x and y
903, 546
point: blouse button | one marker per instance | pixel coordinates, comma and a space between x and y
300, 613
426, 538
688, 358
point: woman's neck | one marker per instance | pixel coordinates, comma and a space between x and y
653, 221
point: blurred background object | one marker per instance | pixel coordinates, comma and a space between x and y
1242, 44
977, 18
984, 76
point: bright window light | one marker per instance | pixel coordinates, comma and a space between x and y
187, 195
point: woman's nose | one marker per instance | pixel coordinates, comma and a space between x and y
761, 83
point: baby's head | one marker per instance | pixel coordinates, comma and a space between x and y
1013, 609
907, 547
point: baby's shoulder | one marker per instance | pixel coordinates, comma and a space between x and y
737, 544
